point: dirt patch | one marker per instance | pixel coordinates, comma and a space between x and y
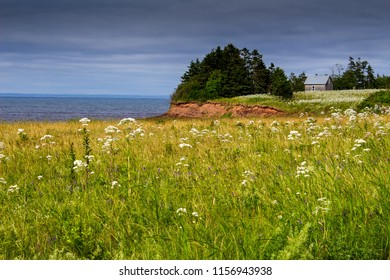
209, 110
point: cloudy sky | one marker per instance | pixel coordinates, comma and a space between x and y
142, 47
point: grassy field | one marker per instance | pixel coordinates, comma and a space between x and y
310, 102
313, 184
276, 188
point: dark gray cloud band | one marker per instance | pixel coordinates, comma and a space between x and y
128, 40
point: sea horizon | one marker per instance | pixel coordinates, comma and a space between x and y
81, 95
64, 107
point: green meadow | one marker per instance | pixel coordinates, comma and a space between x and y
302, 187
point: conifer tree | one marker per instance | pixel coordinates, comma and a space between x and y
280, 85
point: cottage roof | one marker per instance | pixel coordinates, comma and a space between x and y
317, 80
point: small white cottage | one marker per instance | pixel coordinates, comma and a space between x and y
318, 83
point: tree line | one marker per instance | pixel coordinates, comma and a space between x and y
229, 72
358, 75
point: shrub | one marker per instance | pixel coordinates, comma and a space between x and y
376, 98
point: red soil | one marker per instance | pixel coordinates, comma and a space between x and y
209, 110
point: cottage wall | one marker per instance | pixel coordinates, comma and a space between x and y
329, 85
319, 86
315, 87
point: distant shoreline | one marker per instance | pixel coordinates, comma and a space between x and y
47, 95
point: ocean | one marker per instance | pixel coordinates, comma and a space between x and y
46, 108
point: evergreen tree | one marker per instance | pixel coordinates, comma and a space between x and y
280, 85
370, 78
298, 83
226, 72
260, 75
236, 77
193, 70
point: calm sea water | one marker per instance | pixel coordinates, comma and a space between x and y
68, 108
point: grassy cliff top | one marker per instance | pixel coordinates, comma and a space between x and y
311, 102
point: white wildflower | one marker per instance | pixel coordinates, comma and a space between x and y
182, 145
194, 131
195, 214
114, 184
323, 207
84, 121
49, 157
350, 112
46, 137
79, 165
180, 211
13, 188
302, 170
248, 173
336, 115
380, 132
137, 131
360, 141
126, 120
111, 129
20, 131
2, 181
293, 135
89, 158
40, 177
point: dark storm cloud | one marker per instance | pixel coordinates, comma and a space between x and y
129, 41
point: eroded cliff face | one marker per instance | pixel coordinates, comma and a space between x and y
209, 110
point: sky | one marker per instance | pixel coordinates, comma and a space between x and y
143, 47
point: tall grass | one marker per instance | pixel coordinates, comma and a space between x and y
311, 102
285, 188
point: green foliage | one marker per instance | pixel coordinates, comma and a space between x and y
280, 85
297, 83
296, 247
270, 188
382, 82
359, 75
380, 98
189, 91
214, 85
226, 72
346, 81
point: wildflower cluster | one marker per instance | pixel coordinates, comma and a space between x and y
303, 170
294, 135
13, 188
22, 135
79, 165
358, 144
2, 156
323, 205
249, 176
